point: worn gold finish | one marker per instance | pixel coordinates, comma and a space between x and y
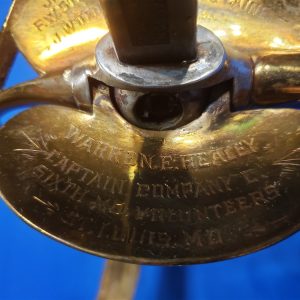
54, 35
221, 186
255, 27
61, 33
8, 50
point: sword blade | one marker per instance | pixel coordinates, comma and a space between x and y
119, 281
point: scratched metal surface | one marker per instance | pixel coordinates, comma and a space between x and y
43, 264
223, 186
60, 33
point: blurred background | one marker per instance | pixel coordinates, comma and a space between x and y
34, 267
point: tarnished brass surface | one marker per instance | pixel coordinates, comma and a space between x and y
8, 51
54, 34
254, 26
223, 186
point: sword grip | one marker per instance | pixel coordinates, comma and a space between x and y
152, 31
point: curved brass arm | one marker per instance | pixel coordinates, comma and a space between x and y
61, 89
277, 79
45, 90
8, 50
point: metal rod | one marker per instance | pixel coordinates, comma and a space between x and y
152, 32
8, 51
119, 281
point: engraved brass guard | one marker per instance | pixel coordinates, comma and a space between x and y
222, 186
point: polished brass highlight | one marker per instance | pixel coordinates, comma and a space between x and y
53, 35
50, 43
223, 186
277, 78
